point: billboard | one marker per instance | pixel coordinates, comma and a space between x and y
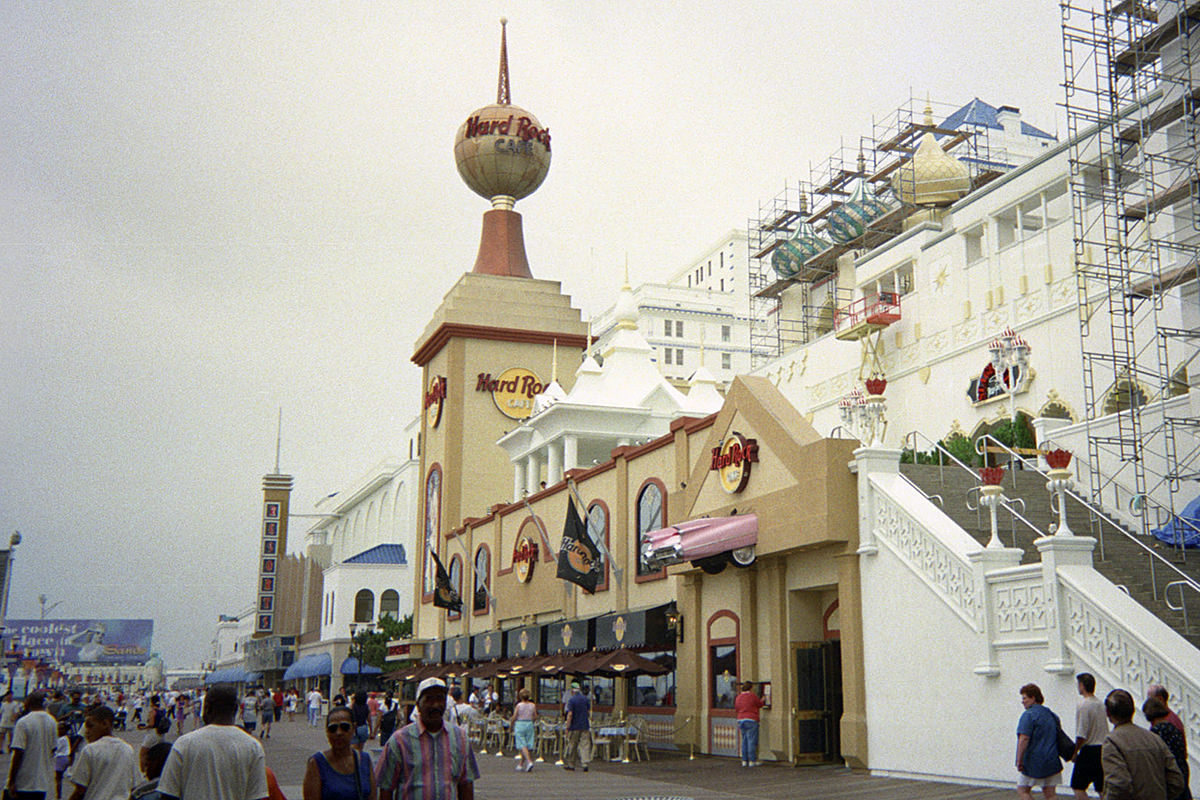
82, 641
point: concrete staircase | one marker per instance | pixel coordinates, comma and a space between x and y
1122, 561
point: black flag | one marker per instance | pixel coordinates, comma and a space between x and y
578, 558
444, 595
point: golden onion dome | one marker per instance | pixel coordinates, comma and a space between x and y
932, 177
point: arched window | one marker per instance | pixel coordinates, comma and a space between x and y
364, 606
433, 522
597, 528
650, 517
456, 574
483, 570
389, 603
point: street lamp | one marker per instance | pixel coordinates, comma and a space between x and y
354, 629
1010, 351
42, 600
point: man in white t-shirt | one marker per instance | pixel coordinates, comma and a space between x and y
103, 768
32, 769
218, 762
9, 708
314, 707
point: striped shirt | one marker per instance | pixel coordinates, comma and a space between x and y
427, 766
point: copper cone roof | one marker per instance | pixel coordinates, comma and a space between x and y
502, 245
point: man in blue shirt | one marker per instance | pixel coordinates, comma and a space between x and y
579, 735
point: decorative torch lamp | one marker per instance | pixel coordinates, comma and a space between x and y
876, 407
866, 414
992, 495
1060, 481
1009, 350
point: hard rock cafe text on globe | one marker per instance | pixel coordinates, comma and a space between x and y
526, 130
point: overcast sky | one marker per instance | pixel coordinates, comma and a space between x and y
211, 210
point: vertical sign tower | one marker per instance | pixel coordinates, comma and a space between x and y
277, 492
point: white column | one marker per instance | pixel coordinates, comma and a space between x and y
518, 480
533, 472
570, 452
554, 465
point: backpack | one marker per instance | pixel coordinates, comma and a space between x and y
162, 722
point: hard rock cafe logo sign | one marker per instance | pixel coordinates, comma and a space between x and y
732, 459
523, 640
566, 635
435, 398
619, 628
524, 557
512, 390
521, 128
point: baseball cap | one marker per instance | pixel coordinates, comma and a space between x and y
430, 683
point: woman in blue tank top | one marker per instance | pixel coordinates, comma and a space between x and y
341, 772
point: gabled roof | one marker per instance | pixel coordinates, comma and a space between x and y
980, 113
379, 554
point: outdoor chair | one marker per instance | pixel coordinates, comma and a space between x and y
493, 736
547, 740
635, 741
599, 741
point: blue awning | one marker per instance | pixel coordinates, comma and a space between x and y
350, 667
232, 675
309, 667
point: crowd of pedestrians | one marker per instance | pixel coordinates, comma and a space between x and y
1126, 762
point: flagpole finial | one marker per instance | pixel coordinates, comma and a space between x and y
503, 96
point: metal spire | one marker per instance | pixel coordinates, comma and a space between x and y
554, 364
278, 439
502, 91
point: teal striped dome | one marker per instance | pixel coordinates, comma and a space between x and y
787, 259
791, 254
849, 221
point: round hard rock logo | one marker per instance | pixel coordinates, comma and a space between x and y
435, 398
579, 557
512, 390
524, 557
731, 461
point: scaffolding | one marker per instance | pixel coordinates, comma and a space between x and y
1131, 102
874, 157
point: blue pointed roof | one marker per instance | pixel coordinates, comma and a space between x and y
980, 113
380, 554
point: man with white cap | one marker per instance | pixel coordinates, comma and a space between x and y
427, 759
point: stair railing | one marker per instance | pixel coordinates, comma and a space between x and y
1182, 599
1008, 503
1155, 559
1145, 500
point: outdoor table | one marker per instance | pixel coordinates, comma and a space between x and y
620, 733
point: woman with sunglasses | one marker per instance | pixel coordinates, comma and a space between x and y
341, 772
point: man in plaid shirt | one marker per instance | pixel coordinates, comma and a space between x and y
428, 759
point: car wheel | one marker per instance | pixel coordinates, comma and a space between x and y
743, 556
713, 565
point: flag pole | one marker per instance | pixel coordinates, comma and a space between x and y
541, 529
600, 545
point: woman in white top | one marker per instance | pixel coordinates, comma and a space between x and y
523, 717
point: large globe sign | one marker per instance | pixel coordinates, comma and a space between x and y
502, 151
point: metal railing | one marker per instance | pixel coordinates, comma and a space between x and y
945, 455
1099, 520
1162, 514
1182, 600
